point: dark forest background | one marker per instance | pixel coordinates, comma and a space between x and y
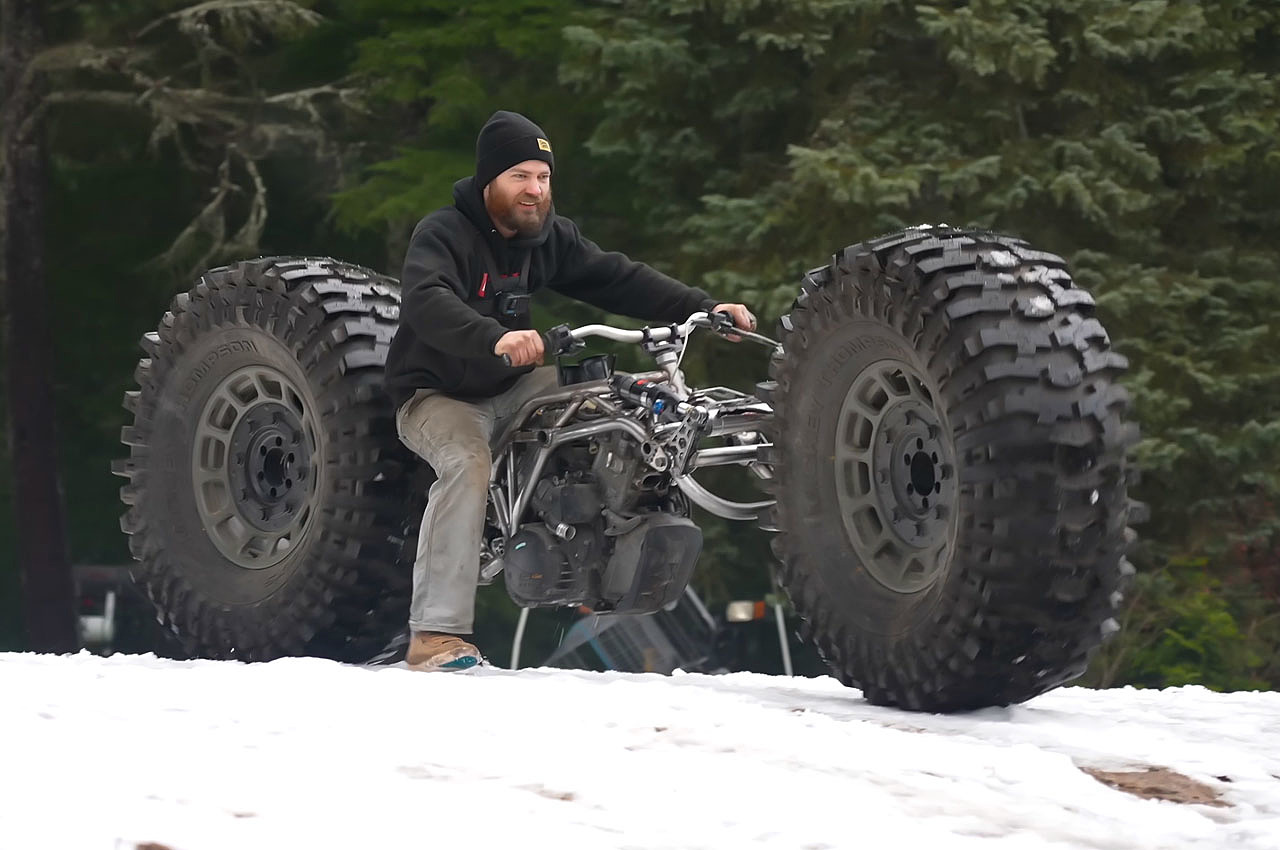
732, 143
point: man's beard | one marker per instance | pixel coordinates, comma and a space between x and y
525, 221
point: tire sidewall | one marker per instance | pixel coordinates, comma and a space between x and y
843, 356
189, 550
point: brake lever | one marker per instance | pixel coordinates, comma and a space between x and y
723, 324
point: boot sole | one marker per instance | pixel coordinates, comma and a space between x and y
452, 666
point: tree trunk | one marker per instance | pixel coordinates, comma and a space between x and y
48, 591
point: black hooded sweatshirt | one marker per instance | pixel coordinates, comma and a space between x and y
449, 322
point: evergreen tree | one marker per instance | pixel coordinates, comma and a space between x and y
166, 123
436, 70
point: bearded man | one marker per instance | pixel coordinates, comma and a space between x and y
467, 278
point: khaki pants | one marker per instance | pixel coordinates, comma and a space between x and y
454, 437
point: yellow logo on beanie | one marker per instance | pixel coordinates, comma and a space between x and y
544, 145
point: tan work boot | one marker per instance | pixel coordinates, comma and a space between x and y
438, 651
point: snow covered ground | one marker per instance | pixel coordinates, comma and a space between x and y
301, 753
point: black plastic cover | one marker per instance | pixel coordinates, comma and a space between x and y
598, 367
536, 572
652, 564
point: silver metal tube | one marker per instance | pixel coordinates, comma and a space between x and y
500, 503
604, 404
782, 641
522, 500
564, 435
515, 644
590, 429
659, 334
510, 455
569, 393
723, 456
732, 423
570, 411
721, 507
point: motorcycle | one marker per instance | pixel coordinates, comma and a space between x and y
940, 443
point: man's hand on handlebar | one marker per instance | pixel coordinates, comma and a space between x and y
742, 318
521, 348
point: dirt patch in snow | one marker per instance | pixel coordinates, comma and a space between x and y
1158, 783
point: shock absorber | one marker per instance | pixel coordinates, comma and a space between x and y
655, 398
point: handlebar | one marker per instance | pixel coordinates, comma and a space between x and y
564, 340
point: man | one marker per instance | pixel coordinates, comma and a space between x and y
467, 276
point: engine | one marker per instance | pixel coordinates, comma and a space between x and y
614, 534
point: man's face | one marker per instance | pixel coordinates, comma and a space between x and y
519, 199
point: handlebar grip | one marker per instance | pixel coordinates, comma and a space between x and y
506, 359
559, 340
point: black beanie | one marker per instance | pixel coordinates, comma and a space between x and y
507, 139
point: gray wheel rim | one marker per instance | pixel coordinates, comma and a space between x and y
253, 467
896, 482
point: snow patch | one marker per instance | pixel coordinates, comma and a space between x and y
201, 755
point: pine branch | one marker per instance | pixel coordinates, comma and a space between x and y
210, 222
241, 20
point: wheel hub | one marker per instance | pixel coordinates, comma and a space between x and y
911, 450
253, 472
270, 465
895, 477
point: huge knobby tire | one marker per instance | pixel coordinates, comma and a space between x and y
270, 501
949, 468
